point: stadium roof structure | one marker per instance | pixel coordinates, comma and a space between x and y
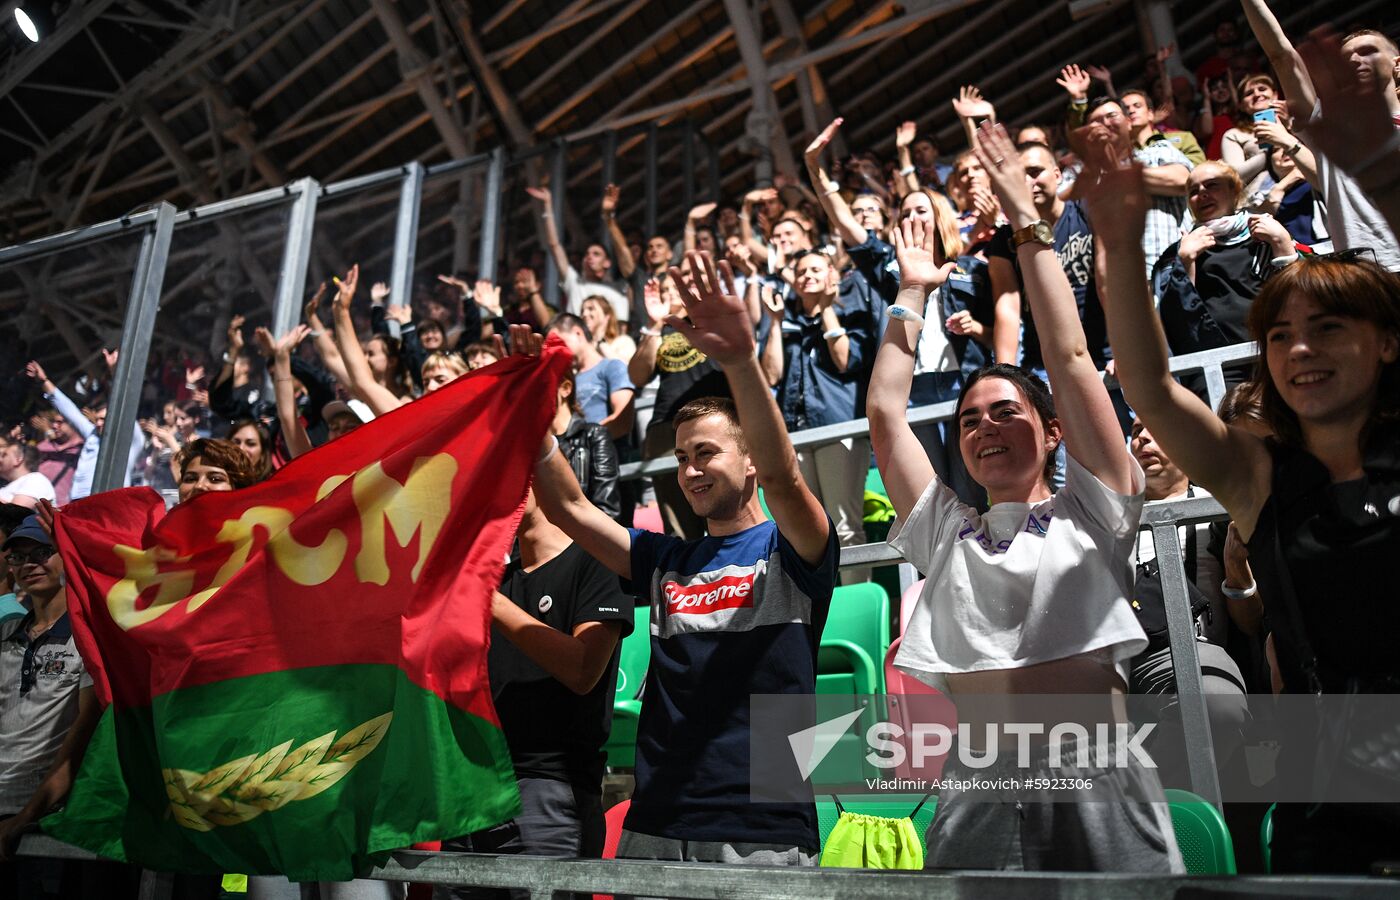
128, 102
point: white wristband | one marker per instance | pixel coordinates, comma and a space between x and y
905, 314
1281, 261
907, 170
553, 445
834, 333
1239, 593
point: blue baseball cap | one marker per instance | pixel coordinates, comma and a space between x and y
29, 529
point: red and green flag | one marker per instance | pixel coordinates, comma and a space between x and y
296, 671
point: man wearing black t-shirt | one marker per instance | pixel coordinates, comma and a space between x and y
1074, 246
556, 624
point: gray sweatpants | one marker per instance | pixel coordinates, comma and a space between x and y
1102, 825
635, 845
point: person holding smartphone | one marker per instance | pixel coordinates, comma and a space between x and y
1241, 148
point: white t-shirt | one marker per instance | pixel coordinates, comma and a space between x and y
32, 485
1022, 583
576, 290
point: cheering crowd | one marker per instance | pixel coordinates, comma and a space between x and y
1257, 201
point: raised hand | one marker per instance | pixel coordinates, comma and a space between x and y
194, 374
399, 312
904, 135
761, 195
741, 259
488, 297
266, 343
1166, 53
1115, 194
1075, 81
656, 306
1099, 73
819, 142
313, 305
529, 281
235, 336
41, 425
962, 322
377, 292
971, 105
525, 341
542, 195
458, 283
1353, 124
1273, 133
345, 289
718, 323
700, 212
772, 300
110, 358
611, 194
1267, 230
36, 371
914, 248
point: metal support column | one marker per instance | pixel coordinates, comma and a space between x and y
291, 283
688, 166
653, 150
1186, 661
765, 123
139, 323
552, 275
406, 234
491, 214
1159, 30
716, 188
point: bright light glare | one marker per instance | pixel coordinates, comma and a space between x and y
26, 25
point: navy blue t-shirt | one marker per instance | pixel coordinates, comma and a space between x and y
731, 617
1074, 246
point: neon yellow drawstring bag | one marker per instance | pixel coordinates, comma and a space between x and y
860, 841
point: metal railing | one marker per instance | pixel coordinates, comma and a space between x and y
546, 878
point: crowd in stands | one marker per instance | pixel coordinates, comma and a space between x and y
1256, 200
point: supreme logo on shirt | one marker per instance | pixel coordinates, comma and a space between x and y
731, 592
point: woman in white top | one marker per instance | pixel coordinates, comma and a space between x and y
597, 313
1031, 596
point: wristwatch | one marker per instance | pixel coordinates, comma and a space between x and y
1038, 231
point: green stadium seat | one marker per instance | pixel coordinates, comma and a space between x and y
855, 639
891, 806
1201, 834
627, 704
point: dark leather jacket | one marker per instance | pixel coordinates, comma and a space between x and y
590, 451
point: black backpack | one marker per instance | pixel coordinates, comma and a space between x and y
1148, 601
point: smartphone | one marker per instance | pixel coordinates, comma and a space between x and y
1266, 115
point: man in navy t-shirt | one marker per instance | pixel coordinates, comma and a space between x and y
1074, 246
734, 614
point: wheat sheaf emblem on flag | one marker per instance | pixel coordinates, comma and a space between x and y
237, 791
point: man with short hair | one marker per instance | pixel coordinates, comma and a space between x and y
47, 705
601, 385
930, 171
1353, 220
1165, 170
597, 267
1138, 108
1074, 247
24, 486
737, 613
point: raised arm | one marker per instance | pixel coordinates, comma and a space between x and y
719, 327
1229, 462
772, 361
693, 219
908, 180
361, 380
232, 348
1006, 323
279, 350
1287, 64
971, 106
66, 408
746, 213
558, 493
1088, 422
626, 265
1274, 133
323, 341
903, 464
642, 366
838, 211
551, 233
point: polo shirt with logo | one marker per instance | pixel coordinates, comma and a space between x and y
39, 684
731, 617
